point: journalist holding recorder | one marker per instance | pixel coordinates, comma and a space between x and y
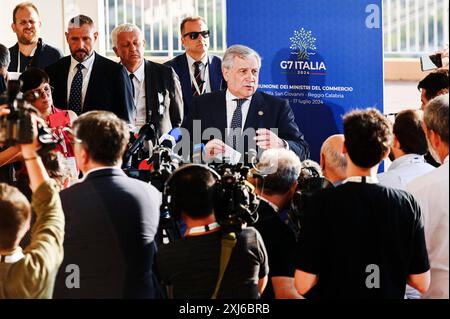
30, 273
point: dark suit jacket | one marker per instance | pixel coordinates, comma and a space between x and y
111, 222
44, 56
180, 65
162, 81
266, 111
109, 87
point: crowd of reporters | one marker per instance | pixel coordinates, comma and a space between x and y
272, 226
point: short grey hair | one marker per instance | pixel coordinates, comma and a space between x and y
284, 167
334, 156
126, 27
240, 51
436, 116
5, 58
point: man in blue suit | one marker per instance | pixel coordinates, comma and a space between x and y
242, 115
199, 72
86, 81
111, 219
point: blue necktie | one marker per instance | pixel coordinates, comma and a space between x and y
75, 91
236, 120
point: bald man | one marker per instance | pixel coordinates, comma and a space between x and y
332, 160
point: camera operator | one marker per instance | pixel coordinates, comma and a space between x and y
37, 91
276, 190
189, 267
111, 219
30, 273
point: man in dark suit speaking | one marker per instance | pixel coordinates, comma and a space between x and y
241, 117
86, 81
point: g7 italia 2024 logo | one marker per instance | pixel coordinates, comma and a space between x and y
303, 47
305, 43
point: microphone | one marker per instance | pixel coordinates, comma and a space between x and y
197, 153
168, 140
252, 155
147, 132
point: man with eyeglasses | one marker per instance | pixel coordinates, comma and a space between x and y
29, 50
199, 72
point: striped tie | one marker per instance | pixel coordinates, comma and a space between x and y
198, 76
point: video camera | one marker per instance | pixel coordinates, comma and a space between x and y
17, 126
235, 204
310, 181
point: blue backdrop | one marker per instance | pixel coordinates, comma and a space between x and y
325, 56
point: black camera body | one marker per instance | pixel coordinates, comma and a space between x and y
16, 127
235, 203
310, 181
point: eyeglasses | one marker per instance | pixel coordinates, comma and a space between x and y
194, 35
33, 95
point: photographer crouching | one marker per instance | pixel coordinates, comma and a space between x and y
192, 267
275, 179
30, 273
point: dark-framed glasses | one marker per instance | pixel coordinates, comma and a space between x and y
194, 35
33, 95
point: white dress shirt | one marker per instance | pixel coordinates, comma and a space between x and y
431, 191
87, 70
403, 170
204, 68
140, 112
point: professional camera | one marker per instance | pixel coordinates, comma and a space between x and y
16, 127
310, 181
235, 204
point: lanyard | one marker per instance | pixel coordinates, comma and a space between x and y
18, 58
206, 77
202, 229
361, 179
